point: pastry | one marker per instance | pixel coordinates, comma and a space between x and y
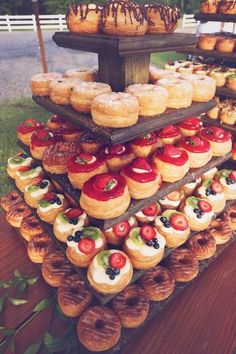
40, 141
83, 94
81, 167
214, 112
172, 200
210, 174
83, 74
204, 87
228, 114
190, 126
219, 75
55, 268
103, 327
158, 283
199, 151
144, 246
26, 129
69, 221
110, 271
203, 245
221, 230
142, 179
69, 133
50, 205
55, 122
189, 188
17, 213
183, 264
162, 18
116, 234
213, 191
180, 92
200, 69
17, 161
60, 89
172, 162
148, 214
38, 247
105, 196
231, 82
37, 188
83, 18
25, 175
186, 69
56, 156
144, 145
115, 110
8, 200
234, 151
156, 74
30, 227
132, 306
207, 41
90, 144
73, 296
84, 244
220, 140
225, 45
170, 134
40, 83
199, 213
174, 226
209, 6
227, 179
152, 99
227, 7
117, 156
230, 216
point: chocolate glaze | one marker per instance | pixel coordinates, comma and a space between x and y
209, 3
230, 4
81, 9
169, 15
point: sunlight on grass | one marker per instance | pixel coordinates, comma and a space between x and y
161, 58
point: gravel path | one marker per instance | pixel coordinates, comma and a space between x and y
20, 59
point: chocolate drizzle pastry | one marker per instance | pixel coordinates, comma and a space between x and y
82, 10
210, 3
230, 5
169, 15
129, 9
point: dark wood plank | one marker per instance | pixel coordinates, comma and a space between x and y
228, 127
122, 135
226, 93
225, 57
215, 17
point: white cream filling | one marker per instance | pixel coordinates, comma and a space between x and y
218, 196
139, 170
192, 185
51, 206
26, 162
93, 159
166, 201
188, 210
168, 230
39, 192
140, 214
230, 187
67, 227
147, 250
131, 221
98, 244
36, 173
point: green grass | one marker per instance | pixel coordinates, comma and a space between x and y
161, 58
11, 114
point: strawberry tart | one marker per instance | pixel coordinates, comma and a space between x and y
170, 134
198, 150
190, 187
40, 141
116, 234
148, 214
117, 156
212, 190
26, 129
25, 175
15, 162
227, 179
145, 145
190, 126
35, 191
50, 205
171, 200
220, 140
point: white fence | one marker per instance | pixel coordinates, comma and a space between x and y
189, 21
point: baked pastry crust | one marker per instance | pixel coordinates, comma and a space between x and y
183, 264
204, 87
145, 145
60, 90
227, 7
49, 213
36, 190
26, 128
225, 45
221, 230
83, 18
25, 177
38, 247
162, 18
83, 74
40, 83
203, 245
17, 161
230, 216
220, 140
180, 92
30, 227
17, 213
209, 6
8, 200
207, 41
55, 268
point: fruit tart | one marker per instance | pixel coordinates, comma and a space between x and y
172, 162
117, 156
199, 213
116, 234
40, 141
220, 140
171, 200
84, 244
105, 196
231, 82
50, 206
27, 128
190, 187
68, 221
144, 246
190, 126
174, 226
35, 191
144, 145
227, 179
17, 161
210, 174
212, 190
148, 214
25, 174
170, 134
55, 122
110, 271
142, 179
198, 150
83, 166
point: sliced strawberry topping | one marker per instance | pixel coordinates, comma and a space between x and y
217, 187
122, 229
194, 141
169, 131
104, 182
42, 134
179, 222
172, 151
204, 206
174, 196
74, 213
192, 123
116, 149
24, 168
36, 180
86, 245
147, 232
142, 164
30, 122
84, 158
49, 196
150, 210
233, 175
117, 260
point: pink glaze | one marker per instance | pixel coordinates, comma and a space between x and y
170, 131
43, 138
195, 144
172, 155
141, 164
29, 126
80, 163
145, 140
192, 123
214, 133
119, 150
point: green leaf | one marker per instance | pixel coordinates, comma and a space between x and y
43, 304
32, 281
1, 303
12, 345
33, 348
17, 302
22, 286
17, 273
54, 344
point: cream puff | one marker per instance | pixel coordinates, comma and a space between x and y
117, 156
172, 162
170, 134
25, 174
110, 271
220, 140
171, 200
227, 179
190, 187
148, 214
116, 234
199, 213
50, 206
198, 150
144, 145
142, 179
84, 244
210, 174
15, 162
27, 128
174, 226
105, 196
40, 141
35, 191
212, 190
69, 221
190, 126
82, 167
144, 246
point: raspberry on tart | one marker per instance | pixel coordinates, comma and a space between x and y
144, 145
190, 126
169, 134
117, 156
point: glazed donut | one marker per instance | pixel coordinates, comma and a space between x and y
225, 45
158, 283
157, 74
204, 87
55, 268
209, 6
99, 328
183, 264
162, 18
123, 18
90, 144
17, 161
207, 41
83, 18
73, 296
180, 92
82, 95
55, 157
38, 247
30, 227
203, 245
60, 89
26, 128
40, 83
230, 216
152, 99
8, 200
17, 213
115, 110
227, 7
132, 306
221, 230
83, 74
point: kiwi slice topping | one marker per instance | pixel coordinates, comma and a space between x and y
135, 236
103, 258
91, 232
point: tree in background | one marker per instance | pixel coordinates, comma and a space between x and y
18, 7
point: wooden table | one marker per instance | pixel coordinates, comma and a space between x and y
200, 320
